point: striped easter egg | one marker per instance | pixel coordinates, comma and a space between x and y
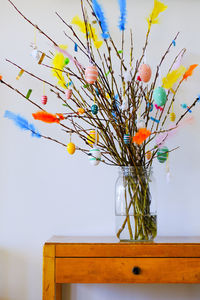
162, 154
91, 137
68, 93
44, 100
148, 155
172, 117
126, 139
91, 74
94, 156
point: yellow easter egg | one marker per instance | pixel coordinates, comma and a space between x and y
172, 117
91, 137
71, 148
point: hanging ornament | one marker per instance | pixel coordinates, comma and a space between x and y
145, 72
44, 97
127, 138
140, 124
71, 148
81, 111
148, 155
150, 105
162, 154
92, 137
21, 72
172, 116
91, 74
28, 93
159, 96
94, 109
68, 92
35, 53
94, 156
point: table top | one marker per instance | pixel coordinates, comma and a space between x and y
114, 240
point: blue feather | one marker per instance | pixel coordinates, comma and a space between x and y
102, 20
22, 123
123, 12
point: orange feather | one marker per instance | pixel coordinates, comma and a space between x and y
189, 72
141, 136
47, 117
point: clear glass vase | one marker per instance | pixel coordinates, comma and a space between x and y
135, 204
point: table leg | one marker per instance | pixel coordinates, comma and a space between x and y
49, 286
58, 291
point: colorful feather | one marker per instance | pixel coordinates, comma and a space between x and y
102, 20
189, 72
58, 66
47, 117
123, 12
91, 31
158, 8
141, 136
66, 53
172, 77
22, 123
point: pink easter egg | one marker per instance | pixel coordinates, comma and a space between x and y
68, 94
145, 72
44, 99
91, 74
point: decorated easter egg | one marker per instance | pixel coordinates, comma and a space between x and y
141, 124
92, 136
94, 156
150, 106
162, 154
148, 155
159, 96
81, 111
145, 72
172, 116
68, 93
91, 74
126, 139
71, 148
94, 109
35, 54
44, 100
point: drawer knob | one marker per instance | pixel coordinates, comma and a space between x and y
136, 270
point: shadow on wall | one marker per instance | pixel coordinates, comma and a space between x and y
131, 291
13, 275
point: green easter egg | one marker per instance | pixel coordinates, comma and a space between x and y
159, 96
162, 154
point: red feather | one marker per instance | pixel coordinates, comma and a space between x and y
47, 117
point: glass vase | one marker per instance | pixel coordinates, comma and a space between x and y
135, 204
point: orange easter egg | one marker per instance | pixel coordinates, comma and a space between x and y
145, 72
81, 111
91, 74
148, 155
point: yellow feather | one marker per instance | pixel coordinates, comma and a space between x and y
91, 31
172, 77
158, 8
59, 63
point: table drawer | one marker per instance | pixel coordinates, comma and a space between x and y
128, 270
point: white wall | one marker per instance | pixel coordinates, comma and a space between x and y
44, 192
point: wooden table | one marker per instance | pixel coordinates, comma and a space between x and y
106, 260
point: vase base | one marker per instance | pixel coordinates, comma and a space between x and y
136, 241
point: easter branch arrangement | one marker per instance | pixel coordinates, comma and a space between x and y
120, 111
